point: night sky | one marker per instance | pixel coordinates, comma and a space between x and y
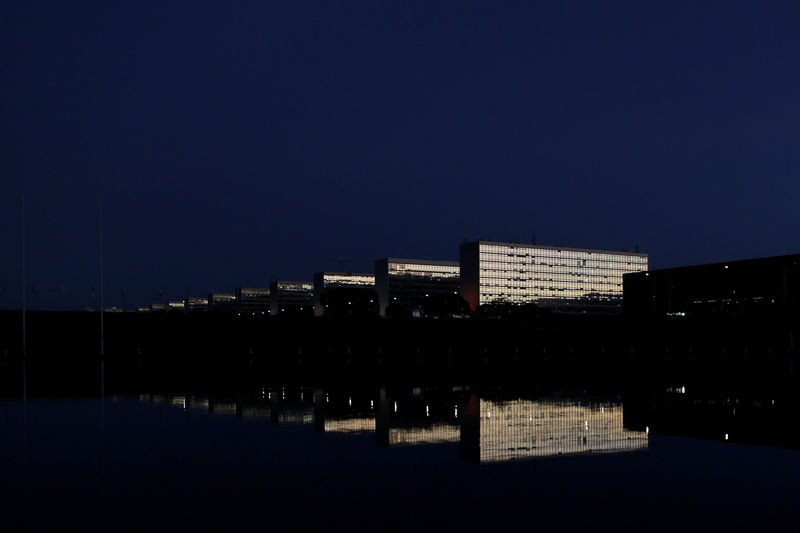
237, 142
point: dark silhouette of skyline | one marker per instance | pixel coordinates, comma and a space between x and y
236, 144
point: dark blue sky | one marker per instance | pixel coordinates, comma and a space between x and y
235, 142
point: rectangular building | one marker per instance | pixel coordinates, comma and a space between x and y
222, 302
352, 282
753, 287
404, 284
195, 304
251, 300
560, 278
296, 297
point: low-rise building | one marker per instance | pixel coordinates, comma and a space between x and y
251, 300
195, 304
351, 286
751, 287
222, 302
291, 297
403, 285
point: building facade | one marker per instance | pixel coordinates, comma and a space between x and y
252, 300
405, 284
352, 283
563, 279
754, 287
294, 297
222, 302
196, 304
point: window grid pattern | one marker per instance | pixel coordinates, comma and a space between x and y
348, 280
521, 274
522, 429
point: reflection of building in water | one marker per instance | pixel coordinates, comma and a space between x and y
495, 431
551, 276
418, 419
761, 413
433, 434
350, 425
253, 411
222, 408
290, 406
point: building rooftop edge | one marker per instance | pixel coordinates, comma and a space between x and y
346, 273
551, 247
418, 261
717, 263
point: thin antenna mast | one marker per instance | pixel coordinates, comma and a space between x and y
24, 336
101, 281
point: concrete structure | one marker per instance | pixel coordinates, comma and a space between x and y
295, 297
222, 302
195, 304
254, 301
752, 287
563, 279
324, 281
404, 284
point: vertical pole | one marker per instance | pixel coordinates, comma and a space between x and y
102, 361
101, 280
24, 363
24, 336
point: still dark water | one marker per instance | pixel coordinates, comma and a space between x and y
403, 458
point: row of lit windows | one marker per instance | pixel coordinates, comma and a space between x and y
290, 286
581, 263
452, 270
344, 280
546, 252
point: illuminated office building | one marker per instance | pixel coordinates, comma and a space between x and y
222, 302
255, 301
564, 279
404, 284
348, 282
291, 297
196, 304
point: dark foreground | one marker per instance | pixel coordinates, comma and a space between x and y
205, 423
204, 352
398, 459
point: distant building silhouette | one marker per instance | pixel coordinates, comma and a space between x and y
250, 300
195, 304
222, 302
769, 285
560, 278
291, 297
403, 285
353, 282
